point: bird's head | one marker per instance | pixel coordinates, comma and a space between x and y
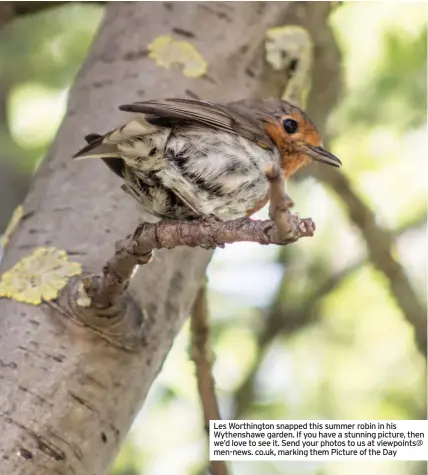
296, 138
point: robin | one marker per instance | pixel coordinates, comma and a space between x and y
186, 159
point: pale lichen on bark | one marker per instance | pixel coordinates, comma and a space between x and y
39, 276
167, 52
290, 49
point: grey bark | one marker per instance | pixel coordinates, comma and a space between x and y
67, 397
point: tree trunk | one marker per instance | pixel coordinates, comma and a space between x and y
67, 397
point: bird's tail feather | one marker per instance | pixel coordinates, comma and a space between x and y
95, 148
97, 154
107, 152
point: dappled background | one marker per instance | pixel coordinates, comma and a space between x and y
326, 328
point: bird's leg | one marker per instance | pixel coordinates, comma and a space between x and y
284, 204
287, 223
279, 201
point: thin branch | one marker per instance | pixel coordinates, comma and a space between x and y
104, 292
280, 321
380, 245
202, 356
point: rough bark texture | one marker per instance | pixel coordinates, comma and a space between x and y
67, 397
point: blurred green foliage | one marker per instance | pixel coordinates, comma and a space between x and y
309, 331
395, 94
39, 56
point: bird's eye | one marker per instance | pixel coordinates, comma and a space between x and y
290, 126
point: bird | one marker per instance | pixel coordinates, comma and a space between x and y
186, 159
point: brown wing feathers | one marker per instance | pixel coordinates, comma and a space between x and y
209, 114
169, 113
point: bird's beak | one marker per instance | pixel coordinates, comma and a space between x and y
320, 154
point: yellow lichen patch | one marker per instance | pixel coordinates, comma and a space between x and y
39, 276
12, 224
166, 51
289, 45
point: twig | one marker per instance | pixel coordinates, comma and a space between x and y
380, 245
282, 319
103, 292
202, 356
